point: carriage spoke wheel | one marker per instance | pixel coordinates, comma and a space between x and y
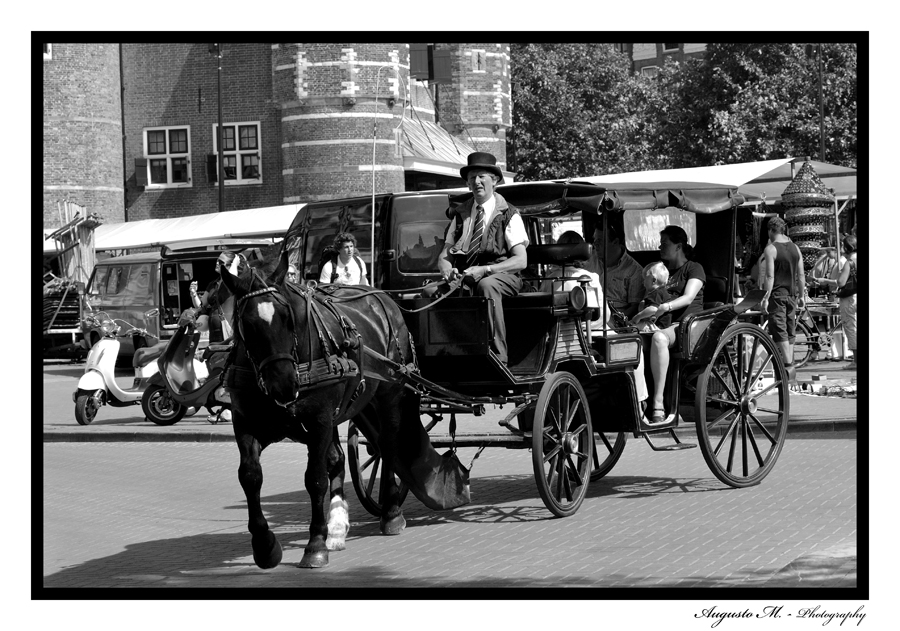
365, 471
562, 444
608, 448
742, 406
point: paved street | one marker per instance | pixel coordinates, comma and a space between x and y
173, 515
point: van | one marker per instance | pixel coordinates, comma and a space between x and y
409, 235
126, 287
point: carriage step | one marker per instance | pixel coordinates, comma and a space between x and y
678, 445
477, 440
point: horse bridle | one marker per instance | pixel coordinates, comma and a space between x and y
293, 357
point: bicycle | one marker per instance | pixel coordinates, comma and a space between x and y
810, 339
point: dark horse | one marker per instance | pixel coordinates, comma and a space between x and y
302, 365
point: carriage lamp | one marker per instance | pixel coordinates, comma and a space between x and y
624, 351
577, 298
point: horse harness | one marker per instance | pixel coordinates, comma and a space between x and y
335, 366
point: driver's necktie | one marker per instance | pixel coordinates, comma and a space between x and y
475, 241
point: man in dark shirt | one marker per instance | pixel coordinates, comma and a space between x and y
785, 285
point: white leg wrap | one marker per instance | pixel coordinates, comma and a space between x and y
338, 524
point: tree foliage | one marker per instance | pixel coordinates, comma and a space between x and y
578, 110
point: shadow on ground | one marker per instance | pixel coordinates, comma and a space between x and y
215, 560
223, 560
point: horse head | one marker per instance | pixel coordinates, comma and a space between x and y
265, 325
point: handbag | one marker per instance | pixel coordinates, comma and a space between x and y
849, 288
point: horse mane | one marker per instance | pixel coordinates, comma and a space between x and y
269, 264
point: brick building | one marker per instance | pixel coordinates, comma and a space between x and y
649, 58
82, 129
301, 122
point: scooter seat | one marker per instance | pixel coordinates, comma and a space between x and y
143, 356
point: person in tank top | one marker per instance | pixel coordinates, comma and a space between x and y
785, 285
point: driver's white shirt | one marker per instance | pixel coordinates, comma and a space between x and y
514, 234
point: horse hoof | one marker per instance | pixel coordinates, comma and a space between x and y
266, 553
312, 559
393, 526
335, 544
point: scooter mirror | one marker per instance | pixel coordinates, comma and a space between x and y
152, 313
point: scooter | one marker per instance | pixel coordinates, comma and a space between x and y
182, 382
97, 386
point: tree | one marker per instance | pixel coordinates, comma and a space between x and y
579, 110
747, 102
569, 116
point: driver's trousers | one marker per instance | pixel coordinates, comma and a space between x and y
495, 287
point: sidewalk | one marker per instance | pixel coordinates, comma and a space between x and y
809, 414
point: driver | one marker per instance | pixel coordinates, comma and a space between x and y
486, 240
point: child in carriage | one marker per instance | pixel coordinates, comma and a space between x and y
655, 277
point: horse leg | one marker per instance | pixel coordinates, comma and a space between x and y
338, 514
266, 549
392, 521
316, 553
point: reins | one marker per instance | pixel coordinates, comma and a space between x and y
452, 286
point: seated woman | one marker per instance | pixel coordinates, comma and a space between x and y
686, 280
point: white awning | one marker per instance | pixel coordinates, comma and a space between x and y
753, 180
254, 222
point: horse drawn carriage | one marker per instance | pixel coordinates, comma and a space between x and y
308, 358
571, 385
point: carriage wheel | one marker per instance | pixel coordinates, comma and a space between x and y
562, 444
608, 444
742, 406
365, 471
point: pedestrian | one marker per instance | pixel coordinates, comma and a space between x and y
845, 285
342, 265
485, 243
785, 285
824, 268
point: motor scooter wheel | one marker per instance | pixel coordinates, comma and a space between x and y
85, 409
159, 407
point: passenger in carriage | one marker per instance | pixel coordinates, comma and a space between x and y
575, 270
655, 278
624, 286
486, 240
570, 237
686, 281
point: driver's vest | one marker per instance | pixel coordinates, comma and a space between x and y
494, 244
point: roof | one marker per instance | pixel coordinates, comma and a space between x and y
756, 181
428, 147
254, 222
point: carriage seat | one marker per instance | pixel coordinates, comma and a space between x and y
556, 254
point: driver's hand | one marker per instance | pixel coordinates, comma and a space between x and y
476, 272
451, 274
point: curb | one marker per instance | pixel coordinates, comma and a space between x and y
79, 435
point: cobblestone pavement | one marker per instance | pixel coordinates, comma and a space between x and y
173, 515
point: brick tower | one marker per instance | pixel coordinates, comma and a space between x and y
476, 106
83, 130
334, 99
